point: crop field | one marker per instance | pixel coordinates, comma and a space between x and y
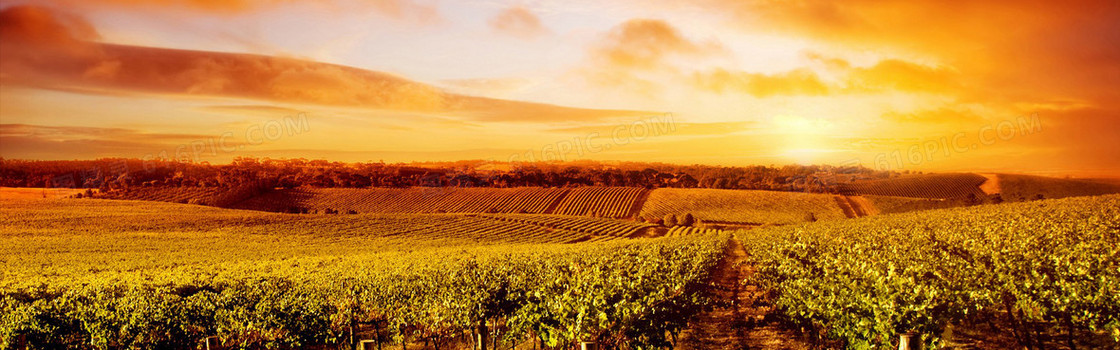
740, 206
1046, 270
677, 231
118, 274
532, 200
594, 226
937, 186
611, 202
166, 194
893, 205
123, 274
37, 193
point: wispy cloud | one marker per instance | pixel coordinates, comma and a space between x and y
518, 21
46, 50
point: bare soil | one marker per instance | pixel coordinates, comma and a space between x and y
739, 321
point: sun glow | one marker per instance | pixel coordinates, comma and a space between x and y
809, 82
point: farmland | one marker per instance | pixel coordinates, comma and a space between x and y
1046, 270
736, 206
611, 202
90, 271
193, 195
891, 205
409, 200
548, 267
937, 186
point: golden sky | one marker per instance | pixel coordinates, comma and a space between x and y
1011, 86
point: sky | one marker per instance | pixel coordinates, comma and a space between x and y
997, 86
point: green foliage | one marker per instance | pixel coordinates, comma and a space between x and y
625, 294
161, 275
866, 281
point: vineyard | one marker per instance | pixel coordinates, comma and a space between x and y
1045, 271
30, 193
594, 226
408, 200
938, 186
611, 202
162, 275
677, 231
98, 216
201, 195
740, 206
893, 205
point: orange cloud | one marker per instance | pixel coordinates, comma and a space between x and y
401, 9
898, 75
262, 109
1002, 51
935, 116
638, 53
885, 76
679, 129
796, 82
66, 142
645, 43
518, 21
47, 51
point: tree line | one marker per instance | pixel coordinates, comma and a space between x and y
123, 173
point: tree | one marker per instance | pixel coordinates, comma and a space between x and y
687, 220
670, 220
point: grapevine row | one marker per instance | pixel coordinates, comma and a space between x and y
1040, 267
941, 186
634, 295
611, 202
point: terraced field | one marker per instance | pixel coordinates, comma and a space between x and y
938, 186
165, 194
610, 202
892, 205
408, 200
739, 206
129, 217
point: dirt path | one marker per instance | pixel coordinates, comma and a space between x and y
842, 201
738, 321
991, 184
861, 206
855, 206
